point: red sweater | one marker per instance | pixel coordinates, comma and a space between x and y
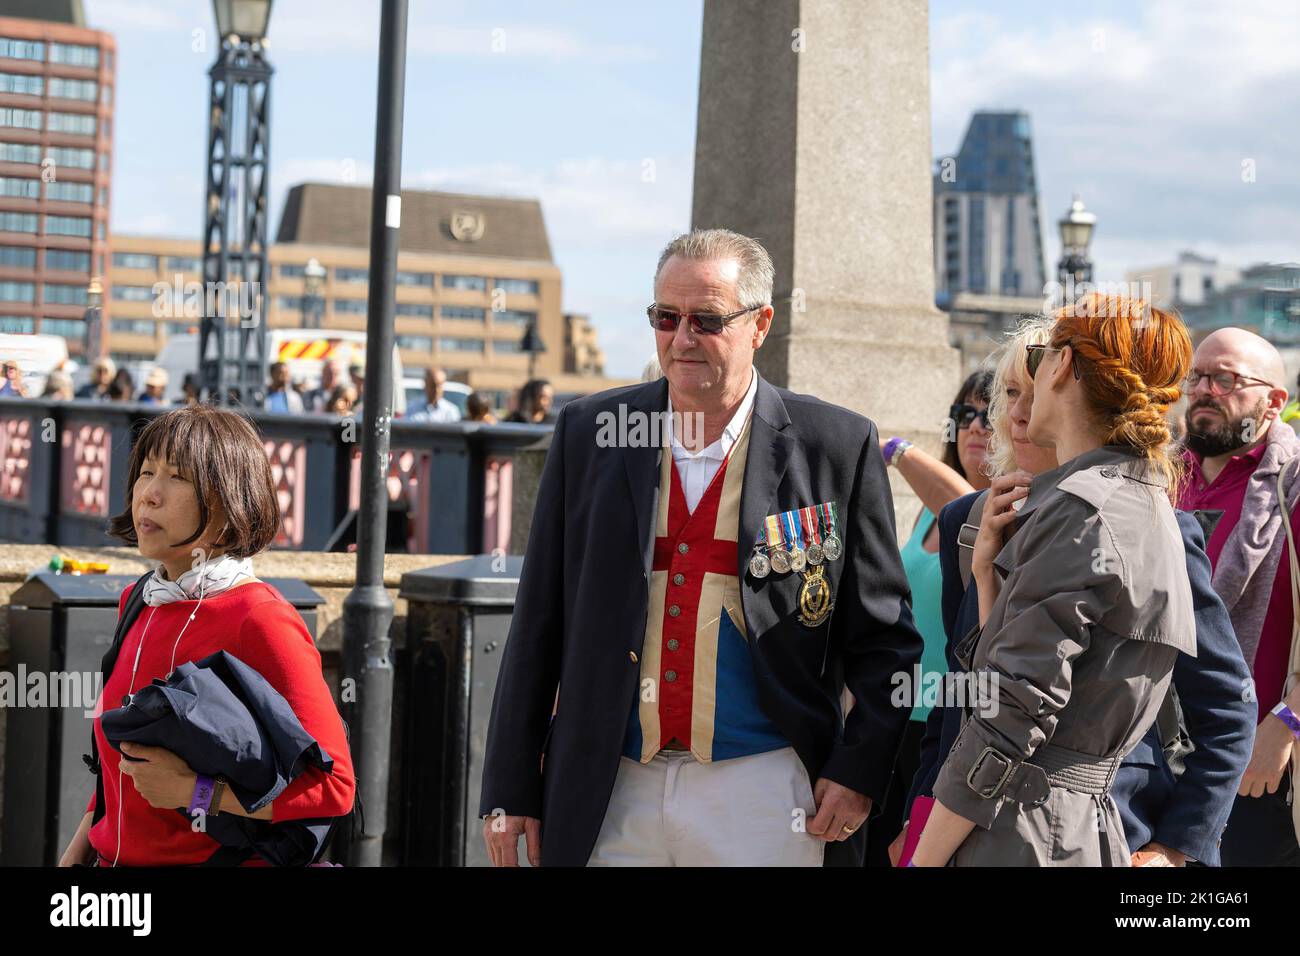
254, 623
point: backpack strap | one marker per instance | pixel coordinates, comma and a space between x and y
966, 538
134, 605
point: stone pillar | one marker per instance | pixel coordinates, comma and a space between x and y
814, 137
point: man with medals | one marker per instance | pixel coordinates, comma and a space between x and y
691, 610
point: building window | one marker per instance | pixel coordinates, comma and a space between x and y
352, 306
291, 271
514, 316
134, 326
68, 328
18, 222
17, 292
82, 123
64, 88
20, 188
415, 311
181, 328
22, 83
342, 274
517, 286
70, 192
74, 158
20, 256
465, 283
453, 344
20, 153
22, 49
20, 119
74, 54
67, 226
66, 260
415, 278
60, 294
463, 312
134, 293
289, 302
184, 264
13, 323
507, 346
135, 260
416, 343
108, 95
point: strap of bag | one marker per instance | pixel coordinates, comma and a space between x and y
966, 538
134, 605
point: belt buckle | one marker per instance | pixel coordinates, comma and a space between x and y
979, 761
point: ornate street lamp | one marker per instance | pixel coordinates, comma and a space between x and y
532, 344
1076, 232
94, 319
232, 349
313, 304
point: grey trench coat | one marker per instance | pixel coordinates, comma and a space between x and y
1071, 665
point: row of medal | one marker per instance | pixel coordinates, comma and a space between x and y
793, 540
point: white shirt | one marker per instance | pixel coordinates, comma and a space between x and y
697, 471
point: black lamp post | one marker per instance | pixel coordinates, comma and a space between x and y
368, 610
232, 350
532, 344
313, 304
1076, 232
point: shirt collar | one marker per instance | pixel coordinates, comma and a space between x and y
1126, 460
722, 447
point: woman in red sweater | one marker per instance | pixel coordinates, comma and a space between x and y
201, 502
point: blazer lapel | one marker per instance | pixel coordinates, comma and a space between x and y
770, 444
642, 464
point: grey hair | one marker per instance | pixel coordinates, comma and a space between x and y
753, 284
1012, 365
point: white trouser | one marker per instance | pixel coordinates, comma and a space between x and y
676, 811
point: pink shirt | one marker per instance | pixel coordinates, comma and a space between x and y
1226, 493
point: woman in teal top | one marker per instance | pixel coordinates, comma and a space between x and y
936, 482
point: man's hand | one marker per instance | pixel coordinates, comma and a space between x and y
1157, 854
501, 834
1268, 759
162, 778
837, 807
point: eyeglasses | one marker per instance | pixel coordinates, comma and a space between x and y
701, 323
1221, 383
1035, 359
965, 415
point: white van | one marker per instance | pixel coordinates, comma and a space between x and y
305, 351
37, 356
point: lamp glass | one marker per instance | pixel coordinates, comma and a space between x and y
247, 18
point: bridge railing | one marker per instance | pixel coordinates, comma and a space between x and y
63, 472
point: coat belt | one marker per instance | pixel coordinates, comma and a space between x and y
1055, 766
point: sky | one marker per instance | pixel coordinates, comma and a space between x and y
1175, 120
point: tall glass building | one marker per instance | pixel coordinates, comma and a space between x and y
987, 235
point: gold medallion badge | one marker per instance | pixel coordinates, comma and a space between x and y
815, 602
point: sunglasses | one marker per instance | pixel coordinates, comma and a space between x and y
701, 323
1035, 359
965, 415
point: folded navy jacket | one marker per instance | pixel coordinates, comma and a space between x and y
224, 719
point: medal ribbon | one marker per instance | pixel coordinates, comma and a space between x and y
772, 531
827, 511
809, 518
791, 529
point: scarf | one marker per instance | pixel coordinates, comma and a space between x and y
1252, 554
205, 580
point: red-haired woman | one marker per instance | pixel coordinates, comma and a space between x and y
201, 503
1082, 612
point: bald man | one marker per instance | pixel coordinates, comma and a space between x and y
1236, 447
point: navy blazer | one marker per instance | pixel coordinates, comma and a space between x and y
1188, 813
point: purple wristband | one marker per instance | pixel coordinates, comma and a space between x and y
202, 798
910, 863
1288, 717
891, 446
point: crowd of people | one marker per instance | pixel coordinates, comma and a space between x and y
339, 393
1105, 591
